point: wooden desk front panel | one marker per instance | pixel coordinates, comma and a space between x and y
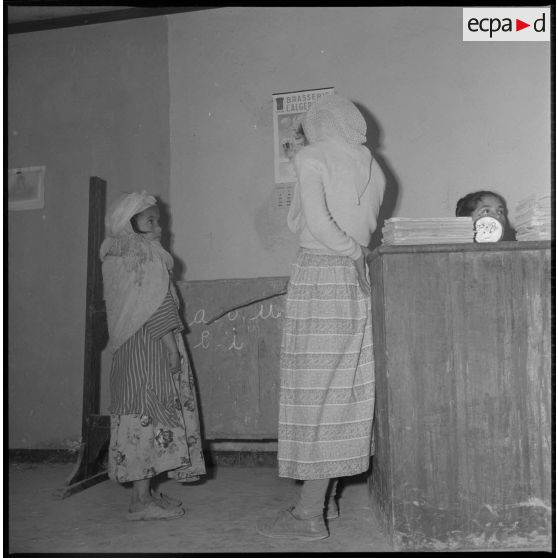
463, 432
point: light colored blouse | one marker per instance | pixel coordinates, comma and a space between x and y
337, 197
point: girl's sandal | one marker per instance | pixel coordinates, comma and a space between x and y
154, 512
167, 501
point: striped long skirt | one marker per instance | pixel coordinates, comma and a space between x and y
326, 402
145, 445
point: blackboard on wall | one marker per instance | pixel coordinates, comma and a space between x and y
234, 340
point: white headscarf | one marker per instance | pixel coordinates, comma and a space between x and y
135, 269
117, 221
334, 116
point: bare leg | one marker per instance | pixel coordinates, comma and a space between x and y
141, 494
332, 506
333, 489
312, 498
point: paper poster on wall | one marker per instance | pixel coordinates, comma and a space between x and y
288, 136
26, 188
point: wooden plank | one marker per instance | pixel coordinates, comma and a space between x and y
93, 18
92, 451
420, 399
463, 373
93, 432
380, 481
461, 247
61, 493
94, 300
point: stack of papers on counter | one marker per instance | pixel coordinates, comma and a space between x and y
533, 218
442, 230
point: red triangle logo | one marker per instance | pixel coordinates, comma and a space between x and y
519, 25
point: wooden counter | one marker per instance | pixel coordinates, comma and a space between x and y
462, 343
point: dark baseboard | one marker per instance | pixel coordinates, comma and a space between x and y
42, 456
212, 457
242, 458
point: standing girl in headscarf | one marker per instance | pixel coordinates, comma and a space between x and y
326, 404
154, 414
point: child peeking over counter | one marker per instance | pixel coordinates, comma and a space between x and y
489, 213
154, 415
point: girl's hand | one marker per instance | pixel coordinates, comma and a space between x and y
172, 352
362, 271
174, 361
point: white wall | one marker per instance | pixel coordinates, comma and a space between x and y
452, 117
82, 101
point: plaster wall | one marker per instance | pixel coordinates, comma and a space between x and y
445, 117
82, 101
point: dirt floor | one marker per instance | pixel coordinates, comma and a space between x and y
221, 515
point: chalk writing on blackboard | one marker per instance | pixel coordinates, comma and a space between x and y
270, 313
204, 338
199, 318
234, 345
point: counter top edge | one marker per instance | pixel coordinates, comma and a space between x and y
462, 247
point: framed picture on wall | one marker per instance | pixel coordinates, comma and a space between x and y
26, 188
288, 135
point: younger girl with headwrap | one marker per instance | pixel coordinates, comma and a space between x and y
326, 403
154, 415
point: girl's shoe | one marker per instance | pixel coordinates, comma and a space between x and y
286, 525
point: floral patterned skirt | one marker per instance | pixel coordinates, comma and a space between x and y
142, 448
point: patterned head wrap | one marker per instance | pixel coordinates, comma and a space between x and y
118, 217
334, 116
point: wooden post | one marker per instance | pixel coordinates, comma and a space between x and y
95, 429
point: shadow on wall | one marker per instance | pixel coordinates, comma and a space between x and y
374, 137
167, 238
